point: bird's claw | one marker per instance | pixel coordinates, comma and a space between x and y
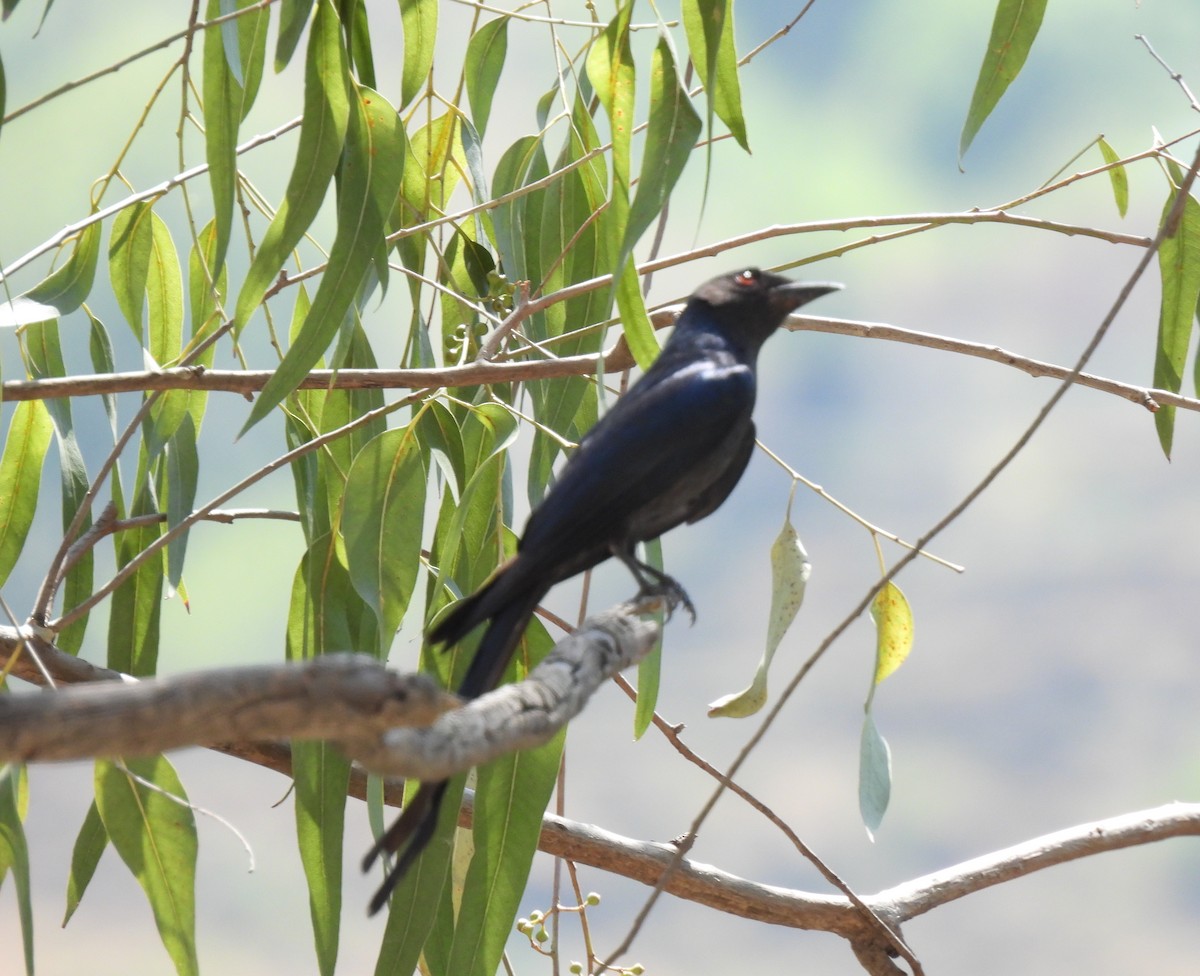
672, 595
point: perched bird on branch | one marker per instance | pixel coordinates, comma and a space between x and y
669, 451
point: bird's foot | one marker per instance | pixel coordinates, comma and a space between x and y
671, 593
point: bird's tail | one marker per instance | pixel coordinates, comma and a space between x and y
408, 835
509, 608
508, 600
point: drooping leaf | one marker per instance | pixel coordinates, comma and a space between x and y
90, 844
635, 320
484, 61
649, 675
46, 360
510, 797
293, 15
670, 137
382, 525
156, 838
136, 606
100, 348
874, 776
322, 777
233, 59
1117, 176
323, 614
327, 94
183, 474
63, 290
20, 478
709, 28
1014, 28
790, 570
419, 20
371, 170
893, 630
129, 247
1179, 269
358, 40
14, 849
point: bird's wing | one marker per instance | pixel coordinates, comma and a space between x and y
681, 433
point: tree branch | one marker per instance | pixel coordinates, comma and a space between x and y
616, 359
349, 699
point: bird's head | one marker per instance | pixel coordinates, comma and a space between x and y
756, 300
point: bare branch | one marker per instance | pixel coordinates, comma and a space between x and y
616, 359
918, 896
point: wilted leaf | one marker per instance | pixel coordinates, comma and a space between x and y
790, 570
893, 630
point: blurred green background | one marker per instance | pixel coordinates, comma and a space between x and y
1053, 683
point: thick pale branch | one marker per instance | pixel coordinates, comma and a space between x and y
319, 699
350, 699
517, 716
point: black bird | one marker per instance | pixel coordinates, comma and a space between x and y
669, 451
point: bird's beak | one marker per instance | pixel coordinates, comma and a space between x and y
789, 297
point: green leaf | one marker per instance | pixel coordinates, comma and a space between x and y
136, 607
63, 290
709, 28
1117, 176
3, 93
639, 332
233, 59
874, 776
484, 61
293, 15
415, 903
382, 525
183, 474
610, 69
45, 360
510, 798
670, 138
155, 835
371, 171
129, 247
164, 294
419, 20
20, 478
790, 570
322, 777
358, 40
14, 850
1179, 269
649, 676
327, 94
85, 857
893, 630
100, 349
1015, 26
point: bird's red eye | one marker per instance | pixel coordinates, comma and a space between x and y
747, 277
